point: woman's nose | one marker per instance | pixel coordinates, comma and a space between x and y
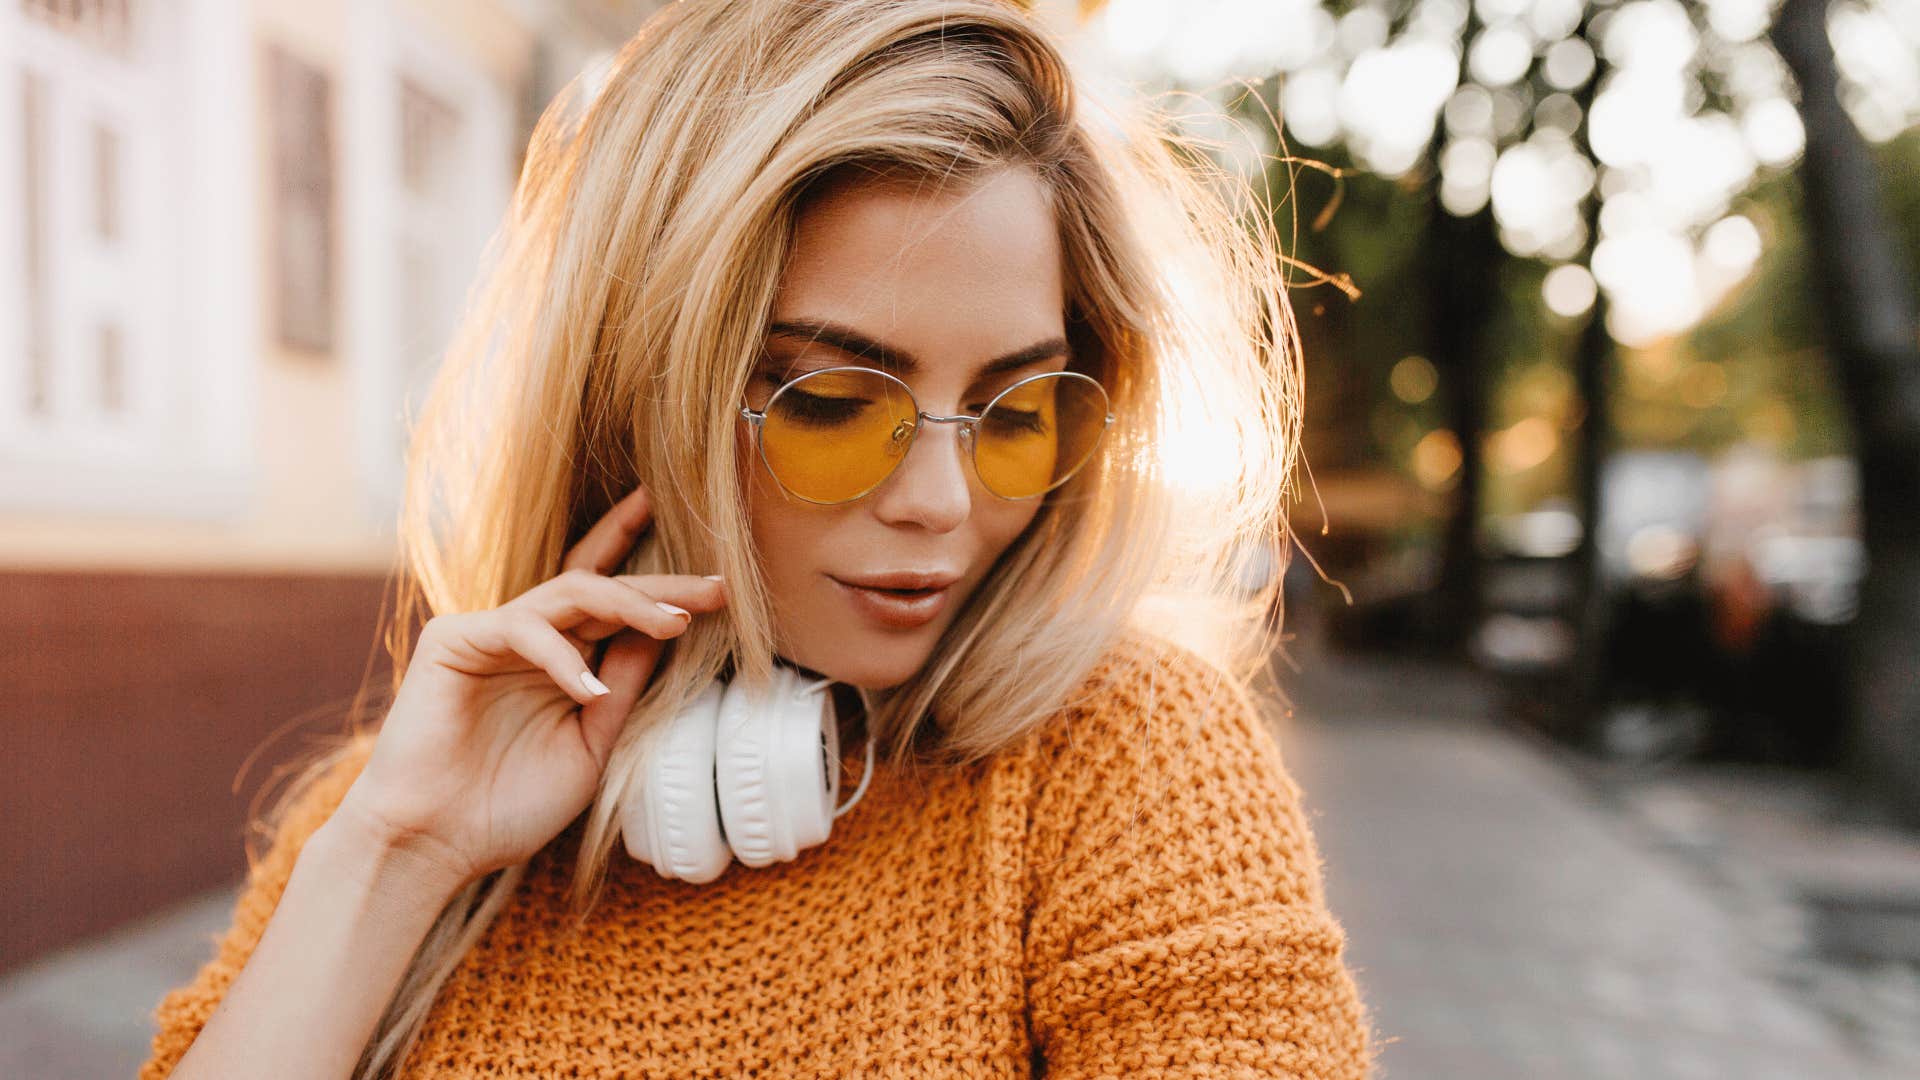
933, 485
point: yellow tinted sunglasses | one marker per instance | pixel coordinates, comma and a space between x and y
833, 435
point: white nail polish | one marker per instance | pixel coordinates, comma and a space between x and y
593, 684
711, 577
671, 610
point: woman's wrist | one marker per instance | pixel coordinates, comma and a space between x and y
388, 865
350, 919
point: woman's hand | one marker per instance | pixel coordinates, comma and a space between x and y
496, 738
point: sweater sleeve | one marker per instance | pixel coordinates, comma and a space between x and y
184, 1011
1178, 925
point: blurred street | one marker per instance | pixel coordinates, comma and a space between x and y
1510, 911
1513, 913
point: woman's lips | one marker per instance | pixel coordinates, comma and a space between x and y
898, 610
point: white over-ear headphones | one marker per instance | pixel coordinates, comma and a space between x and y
737, 774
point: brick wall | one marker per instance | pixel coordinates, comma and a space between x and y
129, 702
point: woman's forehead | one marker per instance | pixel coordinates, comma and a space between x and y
930, 274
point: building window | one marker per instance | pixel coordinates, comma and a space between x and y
106, 183
102, 24
84, 89
299, 104
436, 174
33, 163
432, 237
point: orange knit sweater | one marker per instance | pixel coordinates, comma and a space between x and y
1130, 890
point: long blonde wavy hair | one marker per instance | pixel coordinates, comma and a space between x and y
625, 299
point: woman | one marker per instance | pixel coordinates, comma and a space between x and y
1081, 853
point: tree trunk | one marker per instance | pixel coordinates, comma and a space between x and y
1584, 693
1464, 255
1873, 331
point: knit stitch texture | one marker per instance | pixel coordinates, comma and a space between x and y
1130, 890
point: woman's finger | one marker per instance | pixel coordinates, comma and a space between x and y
590, 606
612, 538
478, 643
629, 663
546, 648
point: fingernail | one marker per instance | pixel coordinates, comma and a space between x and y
593, 684
671, 610
712, 577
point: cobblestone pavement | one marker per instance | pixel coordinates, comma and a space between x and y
1506, 918
1509, 913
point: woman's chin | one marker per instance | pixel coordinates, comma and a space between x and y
875, 667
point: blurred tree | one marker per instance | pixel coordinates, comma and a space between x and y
1768, 345
1520, 120
1462, 268
1874, 332
1613, 144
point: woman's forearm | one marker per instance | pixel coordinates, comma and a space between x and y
355, 909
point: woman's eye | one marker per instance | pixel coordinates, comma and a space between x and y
802, 407
1017, 420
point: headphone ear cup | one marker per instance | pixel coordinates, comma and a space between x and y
672, 823
776, 770
739, 776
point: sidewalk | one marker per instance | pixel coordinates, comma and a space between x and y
1506, 918
82, 1014
1510, 914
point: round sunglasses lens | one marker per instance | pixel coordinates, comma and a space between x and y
834, 435
1038, 433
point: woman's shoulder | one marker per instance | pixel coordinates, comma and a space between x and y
1147, 697
1164, 763
1173, 881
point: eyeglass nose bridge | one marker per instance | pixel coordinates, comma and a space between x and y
907, 430
967, 423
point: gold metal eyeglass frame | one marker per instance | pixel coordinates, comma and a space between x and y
968, 424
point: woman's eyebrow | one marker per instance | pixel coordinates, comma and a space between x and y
900, 362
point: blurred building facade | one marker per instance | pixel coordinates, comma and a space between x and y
233, 237
238, 234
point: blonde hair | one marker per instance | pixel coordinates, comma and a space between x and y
626, 297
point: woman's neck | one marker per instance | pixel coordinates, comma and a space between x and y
849, 709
